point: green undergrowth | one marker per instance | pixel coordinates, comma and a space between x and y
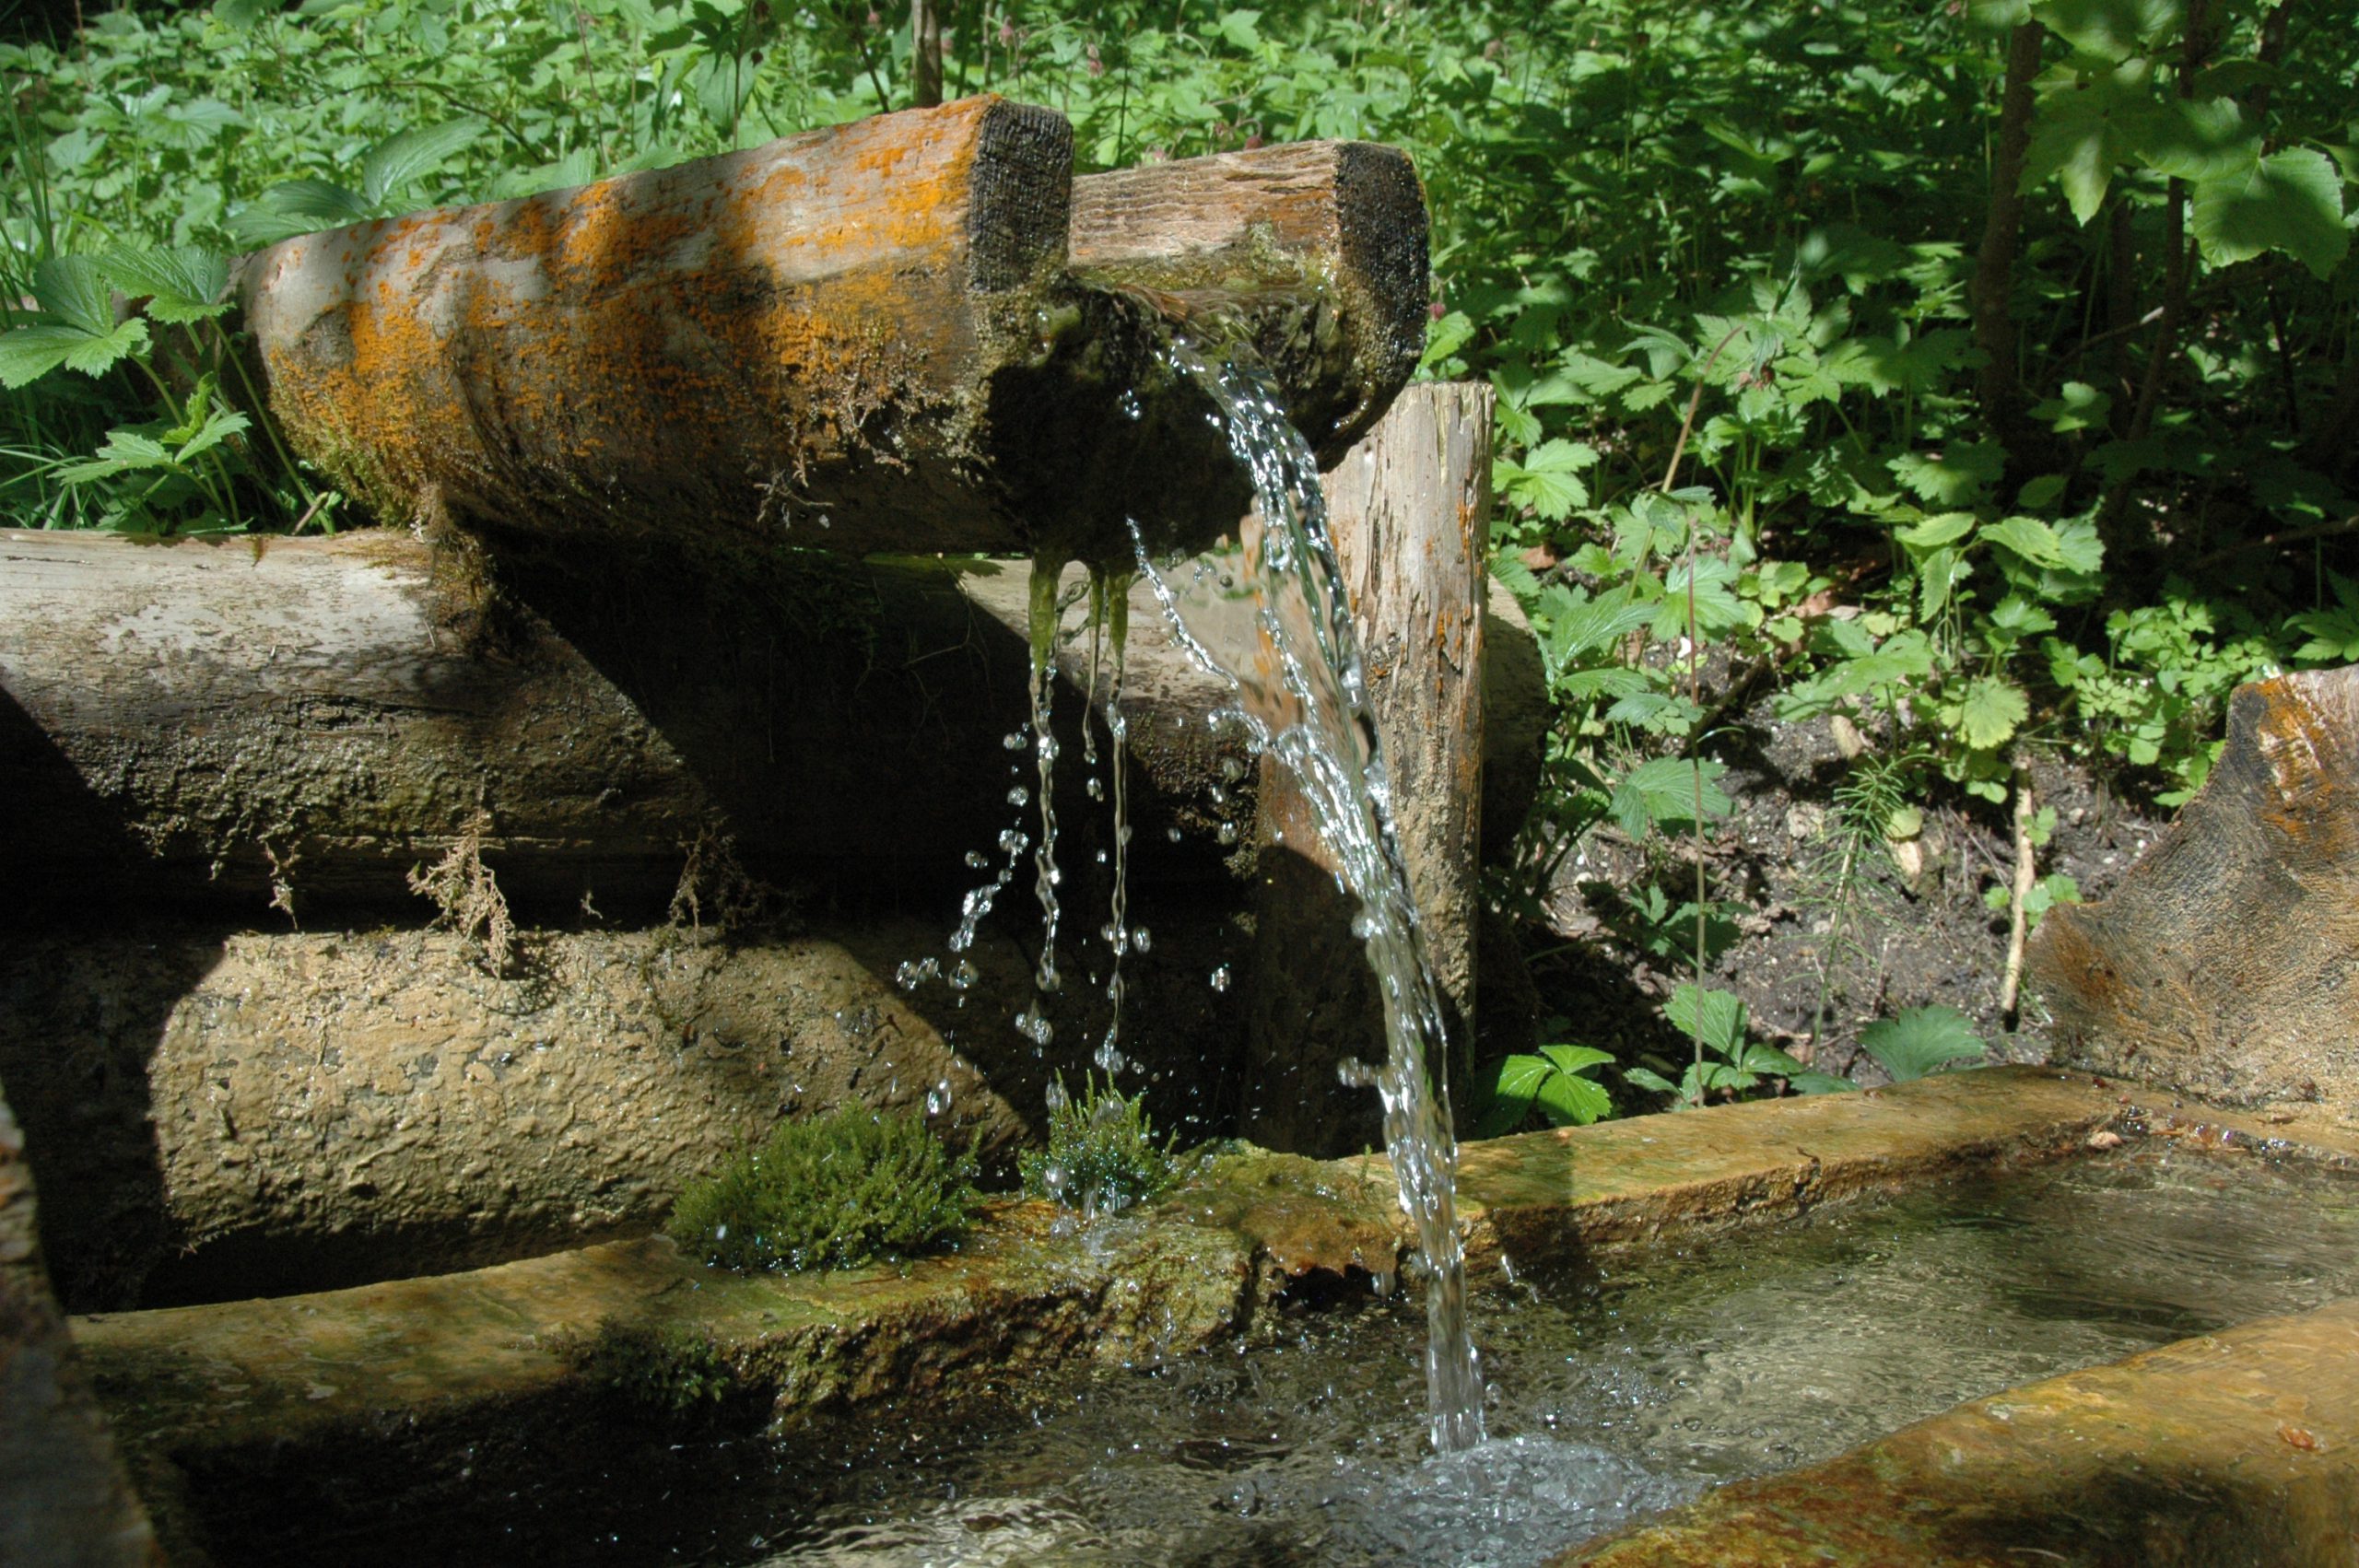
837, 1191
671, 1371
1101, 1156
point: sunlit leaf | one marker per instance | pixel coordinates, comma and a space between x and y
2289, 201
1920, 1040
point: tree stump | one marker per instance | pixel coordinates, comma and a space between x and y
2226, 964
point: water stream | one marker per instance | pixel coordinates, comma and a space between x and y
1302, 691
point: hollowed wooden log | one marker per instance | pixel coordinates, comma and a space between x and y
863, 339
2224, 962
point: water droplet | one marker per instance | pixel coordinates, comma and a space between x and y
1172, 834
938, 1099
1019, 796
1034, 1026
1096, 789
1014, 740
1109, 1060
916, 971
1231, 769
964, 976
1056, 1098
977, 860
1227, 833
1140, 938
1220, 978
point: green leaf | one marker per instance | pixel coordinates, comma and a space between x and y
1990, 712
1945, 528
2289, 201
2078, 406
2060, 548
1663, 792
2109, 29
76, 291
299, 206
1575, 1059
1957, 476
1652, 1081
1717, 1015
2200, 139
1938, 576
181, 285
1507, 1092
239, 16
1810, 1082
1569, 1101
414, 153
26, 354
1920, 1040
1547, 479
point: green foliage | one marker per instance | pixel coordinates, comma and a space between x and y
835, 1191
1554, 1083
1919, 1040
1727, 1062
1102, 1156
668, 1372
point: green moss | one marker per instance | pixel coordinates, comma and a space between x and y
671, 1371
1101, 1156
832, 1192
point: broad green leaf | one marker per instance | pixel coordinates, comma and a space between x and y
240, 16
1717, 1015
181, 285
299, 206
1810, 1082
2289, 201
1515, 577
1957, 476
1511, 1082
75, 290
2200, 139
1665, 791
1990, 712
1568, 1101
1574, 1058
414, 153
2082, 134
1938, 576
1945, 528
2062, 547
1547, 479
1920, 1040
2110, 29
26, 354
1652, 1081
218, 426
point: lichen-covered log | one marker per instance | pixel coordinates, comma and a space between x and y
216, 1116
1314, 252
64, 1498
862, 338
794, 342
2223, 964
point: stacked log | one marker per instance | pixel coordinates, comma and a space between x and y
602, 683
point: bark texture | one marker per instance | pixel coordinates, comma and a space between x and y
862, 338
1408, 511
215, 724
215, 1117
1315, 252
65, 1499
2223, 964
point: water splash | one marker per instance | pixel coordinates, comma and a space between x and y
1303, 696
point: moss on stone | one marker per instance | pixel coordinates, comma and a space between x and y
832, 1192
1101, 1156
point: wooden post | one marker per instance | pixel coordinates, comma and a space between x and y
1410, 511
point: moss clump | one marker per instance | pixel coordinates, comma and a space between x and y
669, 1371
1101, 1156
833, 1192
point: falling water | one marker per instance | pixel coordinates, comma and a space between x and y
1109, 607
1304, 697
1046, 569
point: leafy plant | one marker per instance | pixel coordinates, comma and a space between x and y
1921, 1040
1102, 1156
1733, 1063
835, 1191
1556, 1082
669, 1371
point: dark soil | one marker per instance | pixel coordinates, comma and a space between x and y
1816, 956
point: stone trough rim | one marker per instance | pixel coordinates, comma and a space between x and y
1199, 1269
